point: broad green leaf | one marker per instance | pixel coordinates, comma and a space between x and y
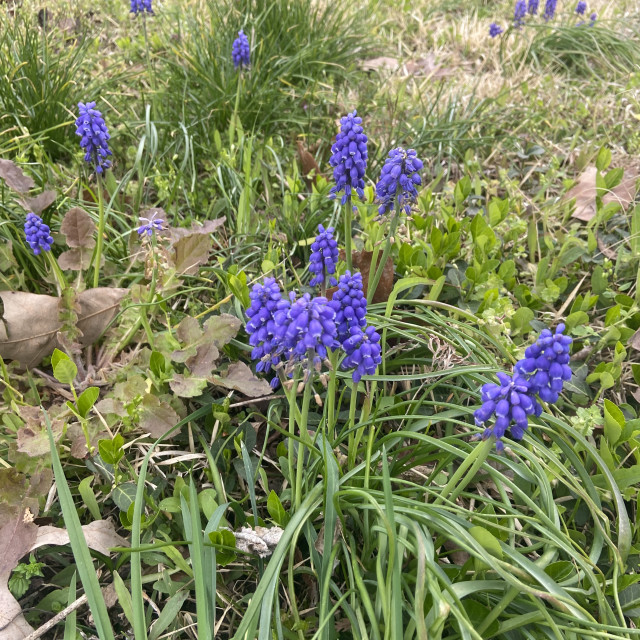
224, 541
87, 399
613, 422
276, 510
65, 371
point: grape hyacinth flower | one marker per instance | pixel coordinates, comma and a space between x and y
140, 6
306, 331
546, 363
363, 352
398, 180
349, 158
266, 303
495, 30
581, 7
150, 224
324, 257
240, 51
519, 13
350, 305
549, 10
511, 403
592, 19
532, 7
38, 234
95, 136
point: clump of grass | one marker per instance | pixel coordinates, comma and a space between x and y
301, 52
584, 50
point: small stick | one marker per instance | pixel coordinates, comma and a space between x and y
40, 631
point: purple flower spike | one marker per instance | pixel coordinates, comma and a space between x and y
398, 180
140, 6
495, 30
363, 351
95, 136
241, 51
324, 257
38, 234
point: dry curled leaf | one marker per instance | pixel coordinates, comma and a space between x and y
39, 203
75, 259
382, 62
13, 176
191, 247
100, 536
78, 228
30, 322
240, 378
584, 191
362, 262
157, 416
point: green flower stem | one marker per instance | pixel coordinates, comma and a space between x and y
101, 224
352, 446
57, 272
234, 116
306, 399
331, 395
373, 284
348, 219
472, 462
150, 67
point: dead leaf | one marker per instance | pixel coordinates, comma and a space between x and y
157, 416
40, 202
30, 321
428, 67
75, 259
111, 405
634, 341
14, 177
186, 386
207, 227
190, 252
189, 330
584, 192
221, 329
605, 250
624, 194
382, 62
202, 363
33, 439
99, 534
78, 228
240, 378
362, 261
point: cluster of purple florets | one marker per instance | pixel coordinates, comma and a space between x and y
519, 13
398, 180
38, 234
240, 50
300, 331
349, 158
495, 30
541, 374
140, 6
95, 136
531, 7
150, 225
549, 10
324, 258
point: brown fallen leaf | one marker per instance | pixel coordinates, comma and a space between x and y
30, 322
634, 341
584, 192
13, 176
240, 378
624, 193
99, 534
78, 228
362, 261
207, 227
75, 259
157, 416
40, 202
308, 164
382, 62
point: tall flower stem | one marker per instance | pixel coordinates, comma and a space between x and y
150, 67
236, 109
306, 399
379, 269
331, 395
352, 446
101, 225
348, 220
57, 272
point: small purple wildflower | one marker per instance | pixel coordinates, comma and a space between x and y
546, 363
150, 224
324, 257
350, 305
532, 7
511, 403
140, 6
241, 51
495, 30
549, 10
38, 234
95, 136
581, 7
519, 13
349, 158
363, 352
592, 19
398, 180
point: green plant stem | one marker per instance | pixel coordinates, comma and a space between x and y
331, 396
457, 483
352, 447
306, 399
373, 284
348, 219
497, 610
101, 225
150, 67
234, 117
57, 272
